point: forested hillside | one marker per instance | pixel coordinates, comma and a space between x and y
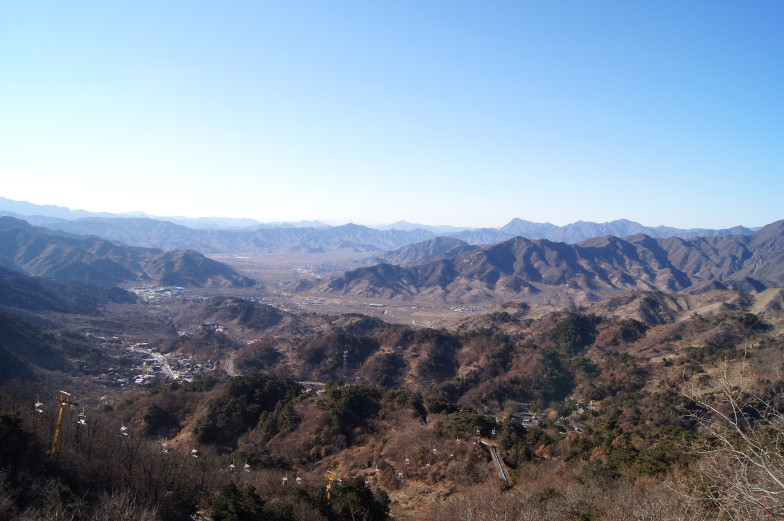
628, 398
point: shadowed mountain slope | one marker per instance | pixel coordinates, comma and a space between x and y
38, 294
44, 253
590, 270
426, 251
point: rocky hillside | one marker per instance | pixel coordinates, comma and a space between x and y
545, 271
425, 251
599, 380
405, 433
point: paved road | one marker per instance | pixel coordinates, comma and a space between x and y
165, 367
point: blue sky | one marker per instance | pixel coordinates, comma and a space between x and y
438, 112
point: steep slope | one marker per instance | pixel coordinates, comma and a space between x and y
767, 260
38, 294
233, 312
382, 280
588, 271
188, 268
44, 253
426, 251
25, 346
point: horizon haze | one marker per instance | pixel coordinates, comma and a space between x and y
44, 213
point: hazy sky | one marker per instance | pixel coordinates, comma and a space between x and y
438, 112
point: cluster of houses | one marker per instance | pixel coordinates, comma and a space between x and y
319, 269
141, 364
521, 414
186, 368
157, 294
469, 309
210, 326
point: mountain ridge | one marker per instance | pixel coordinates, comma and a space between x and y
45, 253
587, 271
238, 236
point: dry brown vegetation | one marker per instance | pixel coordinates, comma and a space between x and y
617, 438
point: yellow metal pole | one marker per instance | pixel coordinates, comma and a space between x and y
57, 442
330, 479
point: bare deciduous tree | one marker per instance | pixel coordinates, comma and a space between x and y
7, 508
740, 474
123, 505
654, 501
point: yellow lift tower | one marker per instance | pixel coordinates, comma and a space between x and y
331, 476
65, 401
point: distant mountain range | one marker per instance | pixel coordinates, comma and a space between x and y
547, 271
217, 235
41, 215
41, 252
